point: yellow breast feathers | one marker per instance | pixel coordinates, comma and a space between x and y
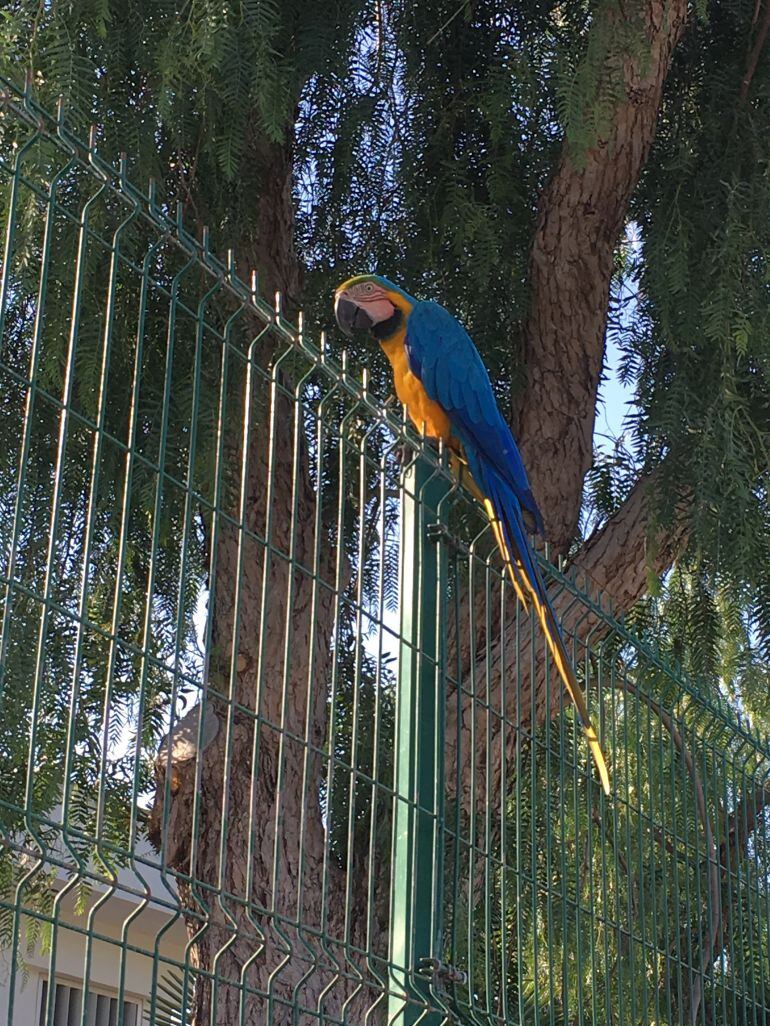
426, 415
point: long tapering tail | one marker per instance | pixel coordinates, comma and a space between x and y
505, 516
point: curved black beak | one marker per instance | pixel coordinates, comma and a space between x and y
351, 318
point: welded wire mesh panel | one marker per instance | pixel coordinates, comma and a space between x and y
277, 743
564, 906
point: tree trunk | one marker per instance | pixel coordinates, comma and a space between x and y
272, 250
272, 858
581, 215
249, 886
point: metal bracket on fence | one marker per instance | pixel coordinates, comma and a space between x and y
442, 972
438, 532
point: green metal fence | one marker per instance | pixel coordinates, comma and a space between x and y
277, 744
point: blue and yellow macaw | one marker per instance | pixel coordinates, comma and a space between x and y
442, 382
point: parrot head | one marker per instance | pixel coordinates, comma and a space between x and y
369, 302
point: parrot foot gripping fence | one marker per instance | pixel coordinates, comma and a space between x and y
278, 746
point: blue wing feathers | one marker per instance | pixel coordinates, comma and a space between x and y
442, 355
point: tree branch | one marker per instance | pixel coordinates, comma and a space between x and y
743, 821
756, 50
620, 555
581, 214
618, 559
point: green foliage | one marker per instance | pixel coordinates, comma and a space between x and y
170, 998
422, 135
194, 95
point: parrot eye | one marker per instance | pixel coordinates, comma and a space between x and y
368, 288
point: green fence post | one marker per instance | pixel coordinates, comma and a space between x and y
416, 901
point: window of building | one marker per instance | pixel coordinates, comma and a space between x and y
101, 1009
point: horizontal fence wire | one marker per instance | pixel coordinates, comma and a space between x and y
277, 743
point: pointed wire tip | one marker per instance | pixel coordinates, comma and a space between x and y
253, 282
278, 303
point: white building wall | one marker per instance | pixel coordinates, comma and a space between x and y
155, 930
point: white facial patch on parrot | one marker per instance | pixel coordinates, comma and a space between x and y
378, 309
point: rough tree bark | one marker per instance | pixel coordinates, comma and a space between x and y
580, 217
280, 703
265, 772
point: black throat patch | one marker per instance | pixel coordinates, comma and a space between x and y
385, 329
